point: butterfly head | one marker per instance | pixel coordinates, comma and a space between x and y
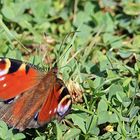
55, 70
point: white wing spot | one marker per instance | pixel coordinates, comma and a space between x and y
54, 110
2, 78
50, 112
3, 72
4, 85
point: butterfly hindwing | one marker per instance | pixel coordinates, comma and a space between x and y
57, 103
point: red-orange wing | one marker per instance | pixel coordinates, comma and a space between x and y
57, 104
16, 77
46, 98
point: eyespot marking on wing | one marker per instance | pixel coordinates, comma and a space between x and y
27, 69
64, 105
64, 102
17, 66
9, 101
4, 66
36, 116
63, 92
14, 66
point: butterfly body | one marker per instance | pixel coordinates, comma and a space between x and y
35, 99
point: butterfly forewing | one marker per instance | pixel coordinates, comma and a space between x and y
16, 77
30, 101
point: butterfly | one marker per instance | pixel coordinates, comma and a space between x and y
29, 97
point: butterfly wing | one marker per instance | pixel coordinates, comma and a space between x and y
16, 77
57, 104
35, 106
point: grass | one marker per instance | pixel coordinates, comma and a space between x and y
97, 45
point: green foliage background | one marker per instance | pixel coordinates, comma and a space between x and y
104, 58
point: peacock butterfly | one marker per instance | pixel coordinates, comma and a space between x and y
30, 98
